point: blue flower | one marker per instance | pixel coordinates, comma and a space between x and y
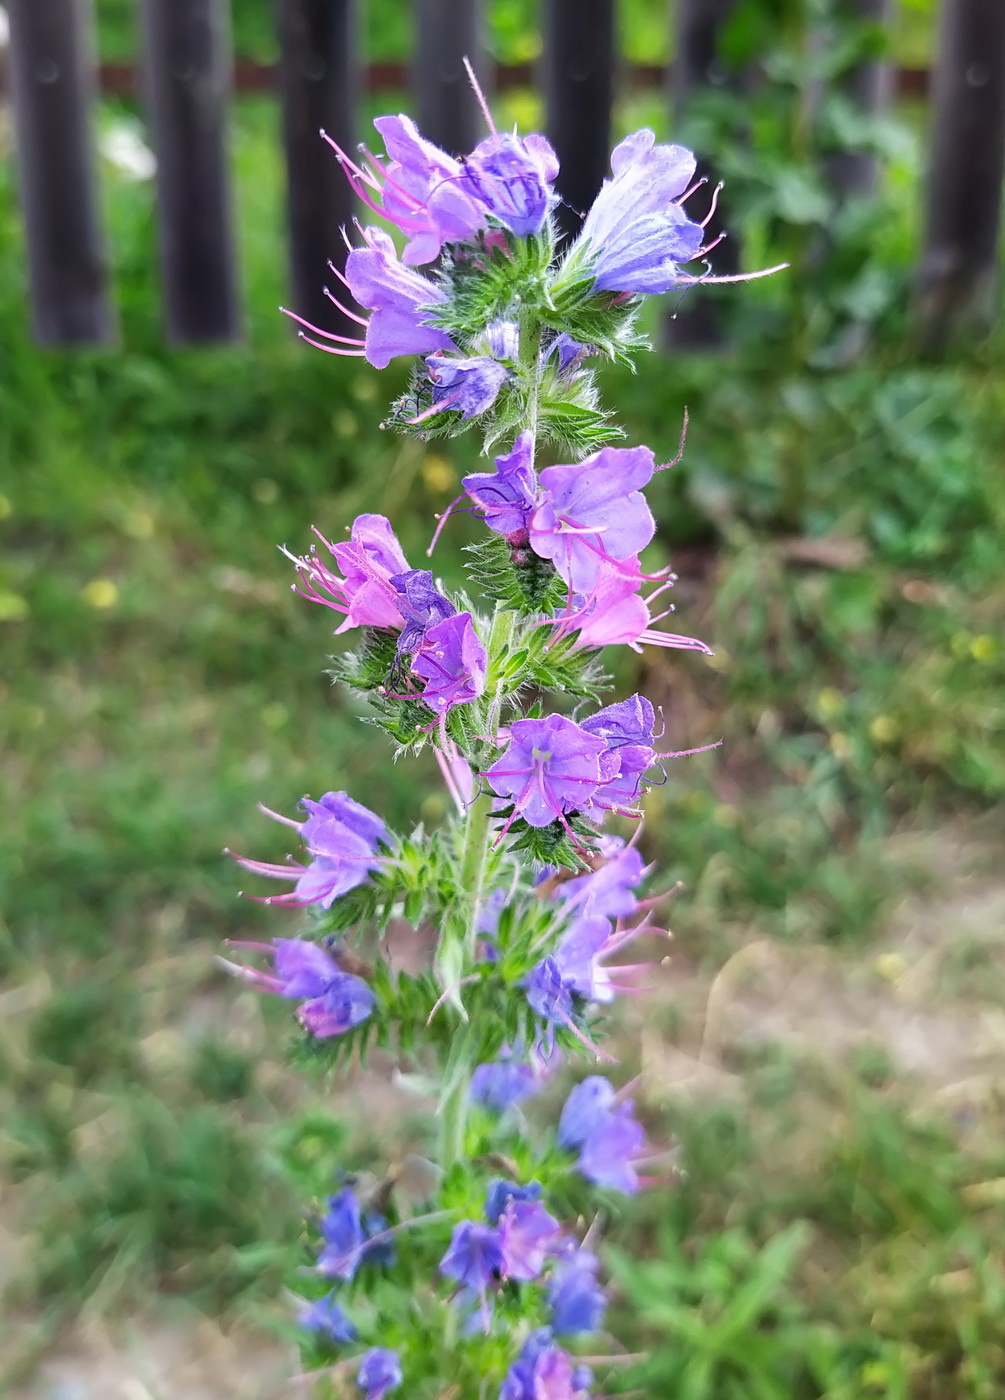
379, 1372
508, 495
452, 662
474, 1257
636, 234
348, 1239
466, 386
609, 1137
544, 1371
326, 1316
511, 179
501, 1192
402, 302
420, 605
578, 1302
500, 1084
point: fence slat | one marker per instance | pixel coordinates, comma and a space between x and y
579, 67
53, 84
696, 67
187, 85
318, 87
869, 87
959, 265
447, 32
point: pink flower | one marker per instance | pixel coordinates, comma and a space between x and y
368, 560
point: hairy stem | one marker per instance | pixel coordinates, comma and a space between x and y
453, 1110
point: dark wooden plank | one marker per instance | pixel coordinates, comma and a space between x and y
695, 323
318, 85
958, 275
187, 83
53, 83
121, 79
579, 71
869, 85
447, 32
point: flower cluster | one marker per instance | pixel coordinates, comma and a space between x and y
476, 1281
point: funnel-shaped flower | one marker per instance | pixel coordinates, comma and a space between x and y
550, 767
636, 233
452, 663
379, 1372
368, 560
511, 179
545, 1371
508, 495
341, 837
577, 1300
467, 386
608, 1136
402, 302
592, 512
325, 1316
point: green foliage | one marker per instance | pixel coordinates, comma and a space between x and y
520, 579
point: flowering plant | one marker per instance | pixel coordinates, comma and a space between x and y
490, 1286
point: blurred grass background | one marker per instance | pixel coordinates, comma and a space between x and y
827, 1041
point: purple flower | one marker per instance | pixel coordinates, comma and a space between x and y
500, 1084
346, 1003
608, 1136
421, 607
592, 512
508, 495
550, 767
401, 300
636, 233
333, 1000
341, 837
609, 890
501, 1192
348, 1238
379, 1372
527, 1235
568, 352
577, 957
627, 728
475, 1256
422, 192
608, 1154
577, 1301
511, 179
368, 559
547, 994
326, 1316
302, 969
588, 1106
544, 1371
614, 613
465, 386
452, 662
501, 340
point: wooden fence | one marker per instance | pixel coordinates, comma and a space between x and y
186, 78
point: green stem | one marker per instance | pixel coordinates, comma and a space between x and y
474, 856
453, 1110
530, 358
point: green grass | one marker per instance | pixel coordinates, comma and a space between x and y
159, 679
